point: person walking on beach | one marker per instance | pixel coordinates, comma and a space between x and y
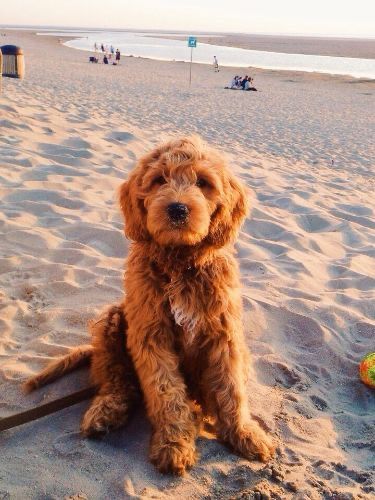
118, 56
102, 47
216, 65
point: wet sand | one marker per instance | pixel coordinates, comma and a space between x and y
363, 48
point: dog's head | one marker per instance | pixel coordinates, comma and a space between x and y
183, 193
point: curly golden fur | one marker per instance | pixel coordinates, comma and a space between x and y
184, 338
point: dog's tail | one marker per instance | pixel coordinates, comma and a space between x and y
77, 357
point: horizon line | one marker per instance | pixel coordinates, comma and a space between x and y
177, 31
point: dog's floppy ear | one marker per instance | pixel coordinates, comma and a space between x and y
230, 214
133, 209
131, 200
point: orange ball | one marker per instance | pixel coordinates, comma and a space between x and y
367, 369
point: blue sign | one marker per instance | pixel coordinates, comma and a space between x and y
192, 41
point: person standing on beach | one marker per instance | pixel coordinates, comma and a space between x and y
118, 56
216, 65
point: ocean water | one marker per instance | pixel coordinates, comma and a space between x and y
145, 45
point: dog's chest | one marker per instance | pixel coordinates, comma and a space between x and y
184, 318
184, 303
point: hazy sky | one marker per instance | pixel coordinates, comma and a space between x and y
346, 17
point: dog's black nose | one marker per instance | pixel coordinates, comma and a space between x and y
178, 212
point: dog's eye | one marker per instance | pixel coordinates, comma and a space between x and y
201, 183
159, 180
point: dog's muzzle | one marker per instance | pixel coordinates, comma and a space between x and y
178, 213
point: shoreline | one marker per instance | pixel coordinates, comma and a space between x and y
361, 48
236, 67
69, 37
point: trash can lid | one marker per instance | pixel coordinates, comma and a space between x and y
11, 50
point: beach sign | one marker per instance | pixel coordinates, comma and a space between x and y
192, 42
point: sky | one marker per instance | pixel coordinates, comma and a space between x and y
329, 17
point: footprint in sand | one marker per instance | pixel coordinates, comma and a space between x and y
364, 331
70, 445
360, 220
32, 296
10, 139
356, 209
364, 284
14, 125
76, 143
41, 195
264, 229
118, 135
48, 130
42, 172
7, 108
312, 223
105, 241
57, 150
319, 403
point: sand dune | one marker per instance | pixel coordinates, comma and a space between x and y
306, 257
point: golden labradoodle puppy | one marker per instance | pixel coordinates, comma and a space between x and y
181, 316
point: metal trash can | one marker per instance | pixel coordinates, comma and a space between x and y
13, 61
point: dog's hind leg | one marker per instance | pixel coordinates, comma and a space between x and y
112, 371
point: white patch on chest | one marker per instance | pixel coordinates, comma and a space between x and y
185, 320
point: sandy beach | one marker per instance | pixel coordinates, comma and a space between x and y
69, 134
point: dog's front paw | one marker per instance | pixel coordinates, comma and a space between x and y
105, 413
253, 443
173, 457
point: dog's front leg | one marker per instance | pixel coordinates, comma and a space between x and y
224, 382
150, 340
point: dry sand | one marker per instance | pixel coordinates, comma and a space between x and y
70, 132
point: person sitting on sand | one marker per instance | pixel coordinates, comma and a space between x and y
244, 81
233, 83
105, 59
249, 85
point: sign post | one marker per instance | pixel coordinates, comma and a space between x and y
192, 43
